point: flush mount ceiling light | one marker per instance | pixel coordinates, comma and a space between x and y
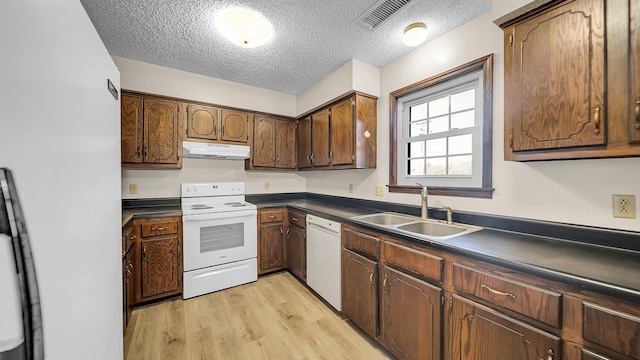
244, 27
415, 34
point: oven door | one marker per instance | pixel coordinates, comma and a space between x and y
219, 238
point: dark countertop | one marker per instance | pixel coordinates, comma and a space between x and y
602, 269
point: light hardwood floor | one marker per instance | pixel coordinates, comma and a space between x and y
274, 318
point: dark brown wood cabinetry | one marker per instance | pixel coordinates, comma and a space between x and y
360, 291
203, 122
570, 78
271, 245
213, 124
341, 135
157, 262
234, 126
274, 144
296, 252
128, 280
150, 132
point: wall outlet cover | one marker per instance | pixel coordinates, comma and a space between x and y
266, 185
624, 206
133, 188
379, 190
350, 188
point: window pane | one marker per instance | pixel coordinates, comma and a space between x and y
463, 120
417, 129
437, 147
439, 107
460, 144
464, 100
460, 165
416, 149
439, 124
418, 112
437, 166
416, 167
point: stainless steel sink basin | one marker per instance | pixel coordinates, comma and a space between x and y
386, 219
428, 229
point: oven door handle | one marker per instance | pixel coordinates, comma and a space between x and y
220, 215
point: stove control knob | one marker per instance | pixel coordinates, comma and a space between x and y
195, 189
188, 189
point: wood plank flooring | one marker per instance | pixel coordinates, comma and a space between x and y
274, 318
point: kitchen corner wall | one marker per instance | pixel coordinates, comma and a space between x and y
575, 192
160, 80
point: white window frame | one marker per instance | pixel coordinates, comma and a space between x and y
469, 81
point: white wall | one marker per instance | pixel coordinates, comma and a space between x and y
59, 133
156, 79
576, 192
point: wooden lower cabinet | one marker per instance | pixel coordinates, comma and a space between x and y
161, 266
271, 248
297, 251
411, 312
479, 332
360, 291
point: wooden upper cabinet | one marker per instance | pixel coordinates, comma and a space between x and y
264, 142
151, 132
285, 144
303, 135
557, 71
131, 144
634, 63
202, 122
342, 128
320, 138
161, 132
235, 126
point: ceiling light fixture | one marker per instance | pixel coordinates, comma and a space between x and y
415, 34
244, 27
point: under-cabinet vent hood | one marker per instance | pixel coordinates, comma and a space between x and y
214, 151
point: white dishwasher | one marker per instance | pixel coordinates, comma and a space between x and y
323, 259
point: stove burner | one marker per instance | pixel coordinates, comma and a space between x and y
235, 204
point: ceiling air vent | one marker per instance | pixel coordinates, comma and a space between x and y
379, 12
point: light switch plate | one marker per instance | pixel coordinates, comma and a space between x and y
350, 188
379, 190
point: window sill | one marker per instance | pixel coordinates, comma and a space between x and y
486, 193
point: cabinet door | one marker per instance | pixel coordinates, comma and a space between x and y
342, 133
131, 129
285, 144
634, 62
235, 126
271, 248
558, 77
264, 142
360, 291
202, 122
297, 252
130, 299
411, 331
161, 132
320, 138
125, 296
161, 270
482, 333
304, 143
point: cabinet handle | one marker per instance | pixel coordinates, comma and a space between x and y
133, 237
637, 111
498, 292
288, 231
144, 253
371, 280
312, 157
277, 158
384, 284
272, 216
281, 231
222, 132
330, 156
215, 130
596, 119
159, 229
144, 152
294, 218
138, 151
550, 354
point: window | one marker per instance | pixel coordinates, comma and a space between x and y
441, 133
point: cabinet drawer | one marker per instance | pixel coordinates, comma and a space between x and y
613, 329
536, 303
159, 228
269, 216
297, 219
360, 242
414, 261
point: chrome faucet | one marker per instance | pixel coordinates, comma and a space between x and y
449, 214
424, 196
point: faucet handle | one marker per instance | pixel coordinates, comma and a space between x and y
424, 188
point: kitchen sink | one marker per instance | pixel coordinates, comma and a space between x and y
386, 219
431, 229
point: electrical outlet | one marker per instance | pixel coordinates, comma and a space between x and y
624, 206
133, 188
350, 188
379, 190
266, 185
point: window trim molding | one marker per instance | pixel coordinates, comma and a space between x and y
485, 64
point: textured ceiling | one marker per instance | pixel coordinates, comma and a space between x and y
312, 37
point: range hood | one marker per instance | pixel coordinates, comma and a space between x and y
191, 149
